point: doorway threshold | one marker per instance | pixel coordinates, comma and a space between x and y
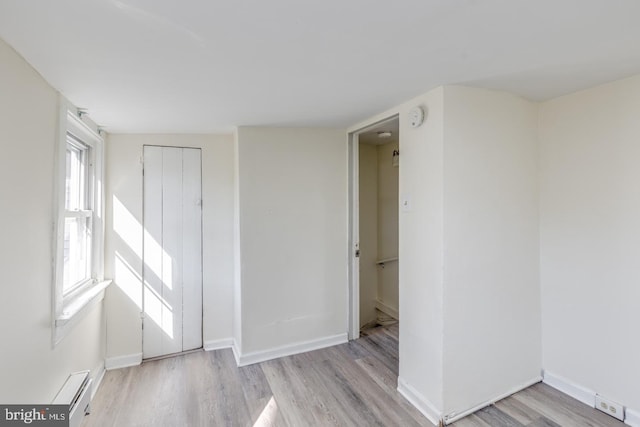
166, 356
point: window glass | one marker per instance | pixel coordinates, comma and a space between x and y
77, 224
76, 176
77, 246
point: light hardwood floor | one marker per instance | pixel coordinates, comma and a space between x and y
538, 406
352, 384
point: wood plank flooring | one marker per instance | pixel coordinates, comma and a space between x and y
538, 406
352, 384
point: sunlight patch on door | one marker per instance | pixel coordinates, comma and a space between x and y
158, 310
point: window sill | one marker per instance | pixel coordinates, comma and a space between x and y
74, 309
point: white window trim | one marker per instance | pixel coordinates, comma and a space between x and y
68, 309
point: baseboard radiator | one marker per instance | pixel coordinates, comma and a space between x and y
76, 393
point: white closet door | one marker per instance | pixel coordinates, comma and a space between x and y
191, 249
172, 251
153, 332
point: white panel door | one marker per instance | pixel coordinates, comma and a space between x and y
191, 250
172, 251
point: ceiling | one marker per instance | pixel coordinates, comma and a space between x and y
370, 134
209, 65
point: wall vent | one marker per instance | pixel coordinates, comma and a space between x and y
76, 393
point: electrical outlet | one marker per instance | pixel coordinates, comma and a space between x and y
610, 408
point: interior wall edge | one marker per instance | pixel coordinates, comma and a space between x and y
632, 417
457, 415
586, 395
125, 361
210, 345
420, 402
568, 387
97, 374
291, 349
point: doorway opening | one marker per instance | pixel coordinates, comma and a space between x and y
374, 208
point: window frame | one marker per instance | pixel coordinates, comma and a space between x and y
86, 208
69, 305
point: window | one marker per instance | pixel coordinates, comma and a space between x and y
78, 218
78, 269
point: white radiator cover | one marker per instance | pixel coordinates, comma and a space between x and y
76, 393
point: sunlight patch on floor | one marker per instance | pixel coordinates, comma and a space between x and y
268, 415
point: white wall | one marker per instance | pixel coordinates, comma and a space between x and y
293, 235
468, 248
387, 227
123, 255
420, 249
491, 292
31, 370
590, 238
368, 206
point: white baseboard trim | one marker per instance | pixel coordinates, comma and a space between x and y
97, 378
123, 361
455, 416
236, 352
288, 350
387, 310
218, 344
420, 402
585, 395
632, 418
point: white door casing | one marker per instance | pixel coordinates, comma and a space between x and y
354, 227
354, 239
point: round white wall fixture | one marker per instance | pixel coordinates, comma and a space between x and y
416, 117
